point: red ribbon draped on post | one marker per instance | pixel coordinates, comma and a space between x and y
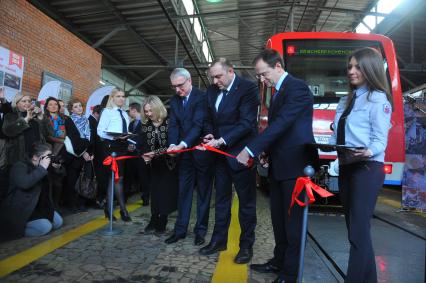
114, 166
309, 186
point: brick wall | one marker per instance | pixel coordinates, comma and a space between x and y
47, 46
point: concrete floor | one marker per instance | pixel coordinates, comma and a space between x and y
137, 257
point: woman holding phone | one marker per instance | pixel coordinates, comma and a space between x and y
113, 129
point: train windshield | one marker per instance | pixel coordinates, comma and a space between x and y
322, 64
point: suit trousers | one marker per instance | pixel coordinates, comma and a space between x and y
287, 228
359, 185
193, 175
245, 185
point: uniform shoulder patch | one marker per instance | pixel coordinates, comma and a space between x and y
386, 108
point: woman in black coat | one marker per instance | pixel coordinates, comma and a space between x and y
28, 209
21, 128
164, 174
78, 131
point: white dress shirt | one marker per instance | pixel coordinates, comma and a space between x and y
110, 121
219, 97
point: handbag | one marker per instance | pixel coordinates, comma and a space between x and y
87, 185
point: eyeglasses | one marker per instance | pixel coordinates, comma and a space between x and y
259, 76
178, 85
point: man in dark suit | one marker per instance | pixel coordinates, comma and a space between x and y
136, 169
233, 104
100, 169
285, 142
187, 123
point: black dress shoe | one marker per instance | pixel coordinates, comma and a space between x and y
173, 239
212, 248
145, 201
125, 216
106, 212
198, 241
267, 267
244, 255
150, 227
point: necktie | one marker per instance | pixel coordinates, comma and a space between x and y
222, 102
342, 122
123, 121
274, 95
185, 101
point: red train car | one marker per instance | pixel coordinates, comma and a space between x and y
320, 59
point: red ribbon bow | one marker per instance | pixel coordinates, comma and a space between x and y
309, 186
114, 166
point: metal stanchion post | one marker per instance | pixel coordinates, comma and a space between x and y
309, 172
110, 231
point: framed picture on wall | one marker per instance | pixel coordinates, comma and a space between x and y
65, 92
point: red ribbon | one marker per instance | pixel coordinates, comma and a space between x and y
207, 147
309, 186
114, 166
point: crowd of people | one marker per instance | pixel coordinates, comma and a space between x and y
43, 153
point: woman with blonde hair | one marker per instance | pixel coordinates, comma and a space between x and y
21, 128
164, 175
112, 129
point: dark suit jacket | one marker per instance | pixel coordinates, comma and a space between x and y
136, 130
289, 131
187, 124
236, 122
93, 123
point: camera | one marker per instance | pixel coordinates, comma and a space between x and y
54, 158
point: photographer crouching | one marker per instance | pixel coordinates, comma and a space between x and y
28, 209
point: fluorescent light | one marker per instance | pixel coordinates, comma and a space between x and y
102, 83
341, 92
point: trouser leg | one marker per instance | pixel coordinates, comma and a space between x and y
360, 185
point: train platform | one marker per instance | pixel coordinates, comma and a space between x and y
80, 253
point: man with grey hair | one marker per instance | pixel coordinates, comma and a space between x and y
187, 124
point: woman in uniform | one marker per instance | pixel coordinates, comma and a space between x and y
362, 121
112, 129
164, 175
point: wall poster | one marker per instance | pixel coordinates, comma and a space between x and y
11, 72
65, 90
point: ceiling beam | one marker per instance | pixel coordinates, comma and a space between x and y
145, 80
285, 6
46, 8
140, 38
108, 36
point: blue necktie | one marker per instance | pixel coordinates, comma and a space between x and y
185, 101
123, 121
222, 102
275, 94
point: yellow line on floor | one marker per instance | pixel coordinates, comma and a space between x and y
24, 258
390, 202
226, 270
397, 204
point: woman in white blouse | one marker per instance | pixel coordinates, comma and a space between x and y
112, 127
